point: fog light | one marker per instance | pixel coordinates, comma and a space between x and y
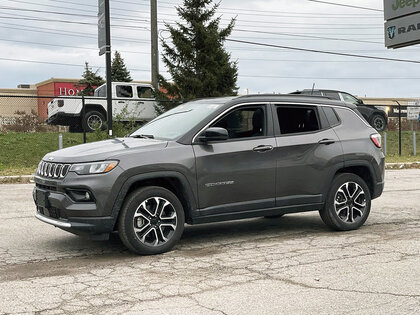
80, 195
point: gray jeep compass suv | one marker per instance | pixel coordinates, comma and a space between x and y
214, 160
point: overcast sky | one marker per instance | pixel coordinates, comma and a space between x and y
26, 34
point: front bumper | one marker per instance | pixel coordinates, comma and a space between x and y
55, 204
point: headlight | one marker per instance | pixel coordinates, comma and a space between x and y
94, 168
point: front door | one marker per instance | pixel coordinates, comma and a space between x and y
238, 174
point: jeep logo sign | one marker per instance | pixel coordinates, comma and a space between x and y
397, 8
403, 31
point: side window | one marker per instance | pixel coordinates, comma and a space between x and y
145, 92
349, 99
333, 95
101, 92
331, 116
244, 122
124, 91
297, 119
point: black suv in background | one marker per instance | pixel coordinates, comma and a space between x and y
215, 160
374, 115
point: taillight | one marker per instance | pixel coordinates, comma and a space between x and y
377, 140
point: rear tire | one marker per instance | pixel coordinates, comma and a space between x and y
348, 202
378, 122
93, 120
151, 221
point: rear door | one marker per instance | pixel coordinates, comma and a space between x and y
308, 151
144, 107
238, 174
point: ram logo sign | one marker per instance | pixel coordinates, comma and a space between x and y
402, 32
391, 32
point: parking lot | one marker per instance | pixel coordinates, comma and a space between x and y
287, 265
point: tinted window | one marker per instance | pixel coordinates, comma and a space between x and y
124, 91
297, 119
333, 95
331, 116
145, 92
244, 122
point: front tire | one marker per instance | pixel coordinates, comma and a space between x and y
378, 122
348, 202
151, 221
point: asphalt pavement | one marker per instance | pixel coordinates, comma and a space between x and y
289, 265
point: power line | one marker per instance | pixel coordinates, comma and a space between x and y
326, 78
222, 8
346, 5
75, 34
322, 51
59, 63
66, 46
307, 36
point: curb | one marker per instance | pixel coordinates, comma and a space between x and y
27, 179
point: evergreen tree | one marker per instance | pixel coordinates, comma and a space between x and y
119, 72
91, 80
196, 58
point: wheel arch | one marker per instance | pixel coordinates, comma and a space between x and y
363, 170
97, 107
171, 180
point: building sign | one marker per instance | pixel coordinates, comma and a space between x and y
397, 8
402, 27
67, 89
403, 31
413, 110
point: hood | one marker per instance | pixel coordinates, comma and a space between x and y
102, 150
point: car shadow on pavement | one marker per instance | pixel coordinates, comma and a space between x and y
204, 235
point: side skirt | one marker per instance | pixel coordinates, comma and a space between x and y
256, 213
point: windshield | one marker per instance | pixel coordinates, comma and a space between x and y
178, 121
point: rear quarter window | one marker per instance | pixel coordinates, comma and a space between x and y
332, 116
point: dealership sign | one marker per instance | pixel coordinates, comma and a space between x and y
397, 8
402, 27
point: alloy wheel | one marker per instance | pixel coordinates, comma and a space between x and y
155, 221
350, 202
94, 122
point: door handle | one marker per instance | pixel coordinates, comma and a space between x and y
263, 148
121, 102
326, 141
140, 103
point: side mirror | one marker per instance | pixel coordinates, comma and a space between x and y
360, 102
213, 134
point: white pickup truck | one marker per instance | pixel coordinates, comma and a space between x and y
136, 99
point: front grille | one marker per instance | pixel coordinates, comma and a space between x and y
52, 170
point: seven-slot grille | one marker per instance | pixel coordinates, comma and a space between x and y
53, 170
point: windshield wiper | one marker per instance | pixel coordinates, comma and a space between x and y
143, 136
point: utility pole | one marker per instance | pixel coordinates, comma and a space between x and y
104, 41
155, 46
108, 68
